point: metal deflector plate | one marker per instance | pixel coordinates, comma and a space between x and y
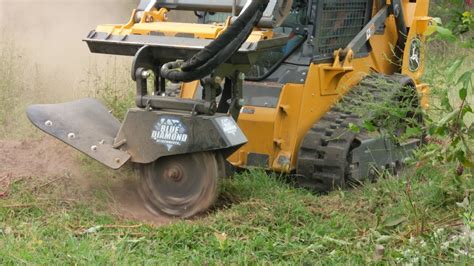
84, 124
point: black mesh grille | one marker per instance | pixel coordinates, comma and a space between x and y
338, 22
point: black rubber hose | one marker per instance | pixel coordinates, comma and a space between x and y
173, 71
221, 42
220, 50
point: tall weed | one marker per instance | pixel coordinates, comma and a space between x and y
111, 83
19, 87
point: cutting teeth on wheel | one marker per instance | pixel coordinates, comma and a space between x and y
182, 185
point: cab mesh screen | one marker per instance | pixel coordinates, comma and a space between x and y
338, 22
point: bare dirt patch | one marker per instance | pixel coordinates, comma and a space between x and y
50, 162
40, 158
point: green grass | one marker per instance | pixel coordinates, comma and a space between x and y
261, 219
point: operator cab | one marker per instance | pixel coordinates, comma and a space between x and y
325, 25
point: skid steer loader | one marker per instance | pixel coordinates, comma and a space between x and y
274, 84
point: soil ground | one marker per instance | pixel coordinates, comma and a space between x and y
46, 161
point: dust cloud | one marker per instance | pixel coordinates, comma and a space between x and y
49, 33
44, 60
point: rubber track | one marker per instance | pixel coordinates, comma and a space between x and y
323, 156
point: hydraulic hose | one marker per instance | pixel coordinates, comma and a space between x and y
218, 51
173, 71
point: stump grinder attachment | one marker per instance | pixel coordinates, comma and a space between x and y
258, 82
180, 163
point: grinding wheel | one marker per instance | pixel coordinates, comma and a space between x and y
181, 185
